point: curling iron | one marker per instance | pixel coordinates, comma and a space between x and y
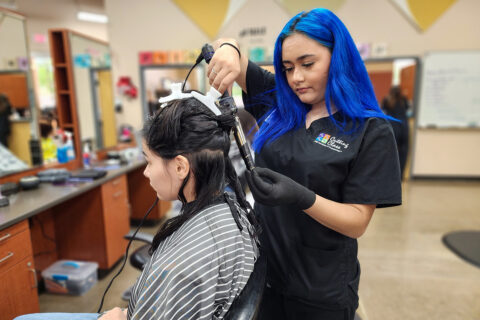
226, 102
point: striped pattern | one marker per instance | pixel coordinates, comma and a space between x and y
197, 272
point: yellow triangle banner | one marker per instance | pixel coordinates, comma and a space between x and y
426, 12
423, 13
210, 15
295, 6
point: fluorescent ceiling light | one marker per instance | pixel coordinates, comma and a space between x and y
92, 17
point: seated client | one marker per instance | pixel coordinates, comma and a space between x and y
202, 258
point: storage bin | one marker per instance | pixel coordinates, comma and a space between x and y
70, 277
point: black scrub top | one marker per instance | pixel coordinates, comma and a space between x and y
306, 260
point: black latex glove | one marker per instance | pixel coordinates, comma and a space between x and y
274, 189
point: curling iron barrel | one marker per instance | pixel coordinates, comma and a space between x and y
227, 103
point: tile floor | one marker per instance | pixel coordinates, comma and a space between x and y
407, 272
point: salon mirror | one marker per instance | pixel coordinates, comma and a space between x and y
156, 80
18, 124
93, 90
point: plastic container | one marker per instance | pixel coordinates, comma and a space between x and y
69, 145
62, 156
86, 156
70, 277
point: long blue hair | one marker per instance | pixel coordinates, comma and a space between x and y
348, 84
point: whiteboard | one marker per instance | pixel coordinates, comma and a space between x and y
450, 90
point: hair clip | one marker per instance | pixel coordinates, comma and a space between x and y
208, 100
175, 95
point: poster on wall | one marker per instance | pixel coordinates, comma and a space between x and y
22, 63
422, 13
82, 60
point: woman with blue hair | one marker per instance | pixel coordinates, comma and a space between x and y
325, 158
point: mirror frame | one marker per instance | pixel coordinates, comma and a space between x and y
33, 119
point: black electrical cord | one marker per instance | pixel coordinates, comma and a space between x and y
207, 54
199, 59
126, 254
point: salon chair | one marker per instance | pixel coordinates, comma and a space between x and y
244, 307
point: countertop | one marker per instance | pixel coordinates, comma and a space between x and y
26, 204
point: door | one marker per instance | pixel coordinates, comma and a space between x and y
105, 109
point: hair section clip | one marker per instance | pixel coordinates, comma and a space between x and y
175, 95
209, 99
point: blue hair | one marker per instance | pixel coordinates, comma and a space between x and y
348, 84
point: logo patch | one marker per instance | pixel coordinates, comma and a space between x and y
323, 138
330, 142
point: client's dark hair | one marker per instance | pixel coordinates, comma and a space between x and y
187, 127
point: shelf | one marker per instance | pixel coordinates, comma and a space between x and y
61, 79
57, 47
64, 86
64, 108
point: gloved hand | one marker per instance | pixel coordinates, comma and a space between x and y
273, 189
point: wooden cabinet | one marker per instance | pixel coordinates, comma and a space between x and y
142, 196
18, 283
14, 86
91, 227
116, 214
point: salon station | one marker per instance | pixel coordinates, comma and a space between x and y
78, 79
72, 179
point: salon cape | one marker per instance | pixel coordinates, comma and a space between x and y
198, 271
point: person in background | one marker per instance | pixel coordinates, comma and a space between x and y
49, 148
202, 258
5, 113
325, 158
395, 104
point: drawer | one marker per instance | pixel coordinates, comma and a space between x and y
13, 230
14, 249
115, 193
115, 185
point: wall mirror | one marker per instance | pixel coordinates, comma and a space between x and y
93, 91
156, 80
18, 124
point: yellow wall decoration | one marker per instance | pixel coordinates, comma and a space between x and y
295, 6
210, 15
423, 13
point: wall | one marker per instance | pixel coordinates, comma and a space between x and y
161, 25
48, 14
12, 32
380, 21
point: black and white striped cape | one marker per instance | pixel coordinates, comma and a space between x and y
198, 271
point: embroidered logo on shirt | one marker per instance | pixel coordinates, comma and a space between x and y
331, 142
